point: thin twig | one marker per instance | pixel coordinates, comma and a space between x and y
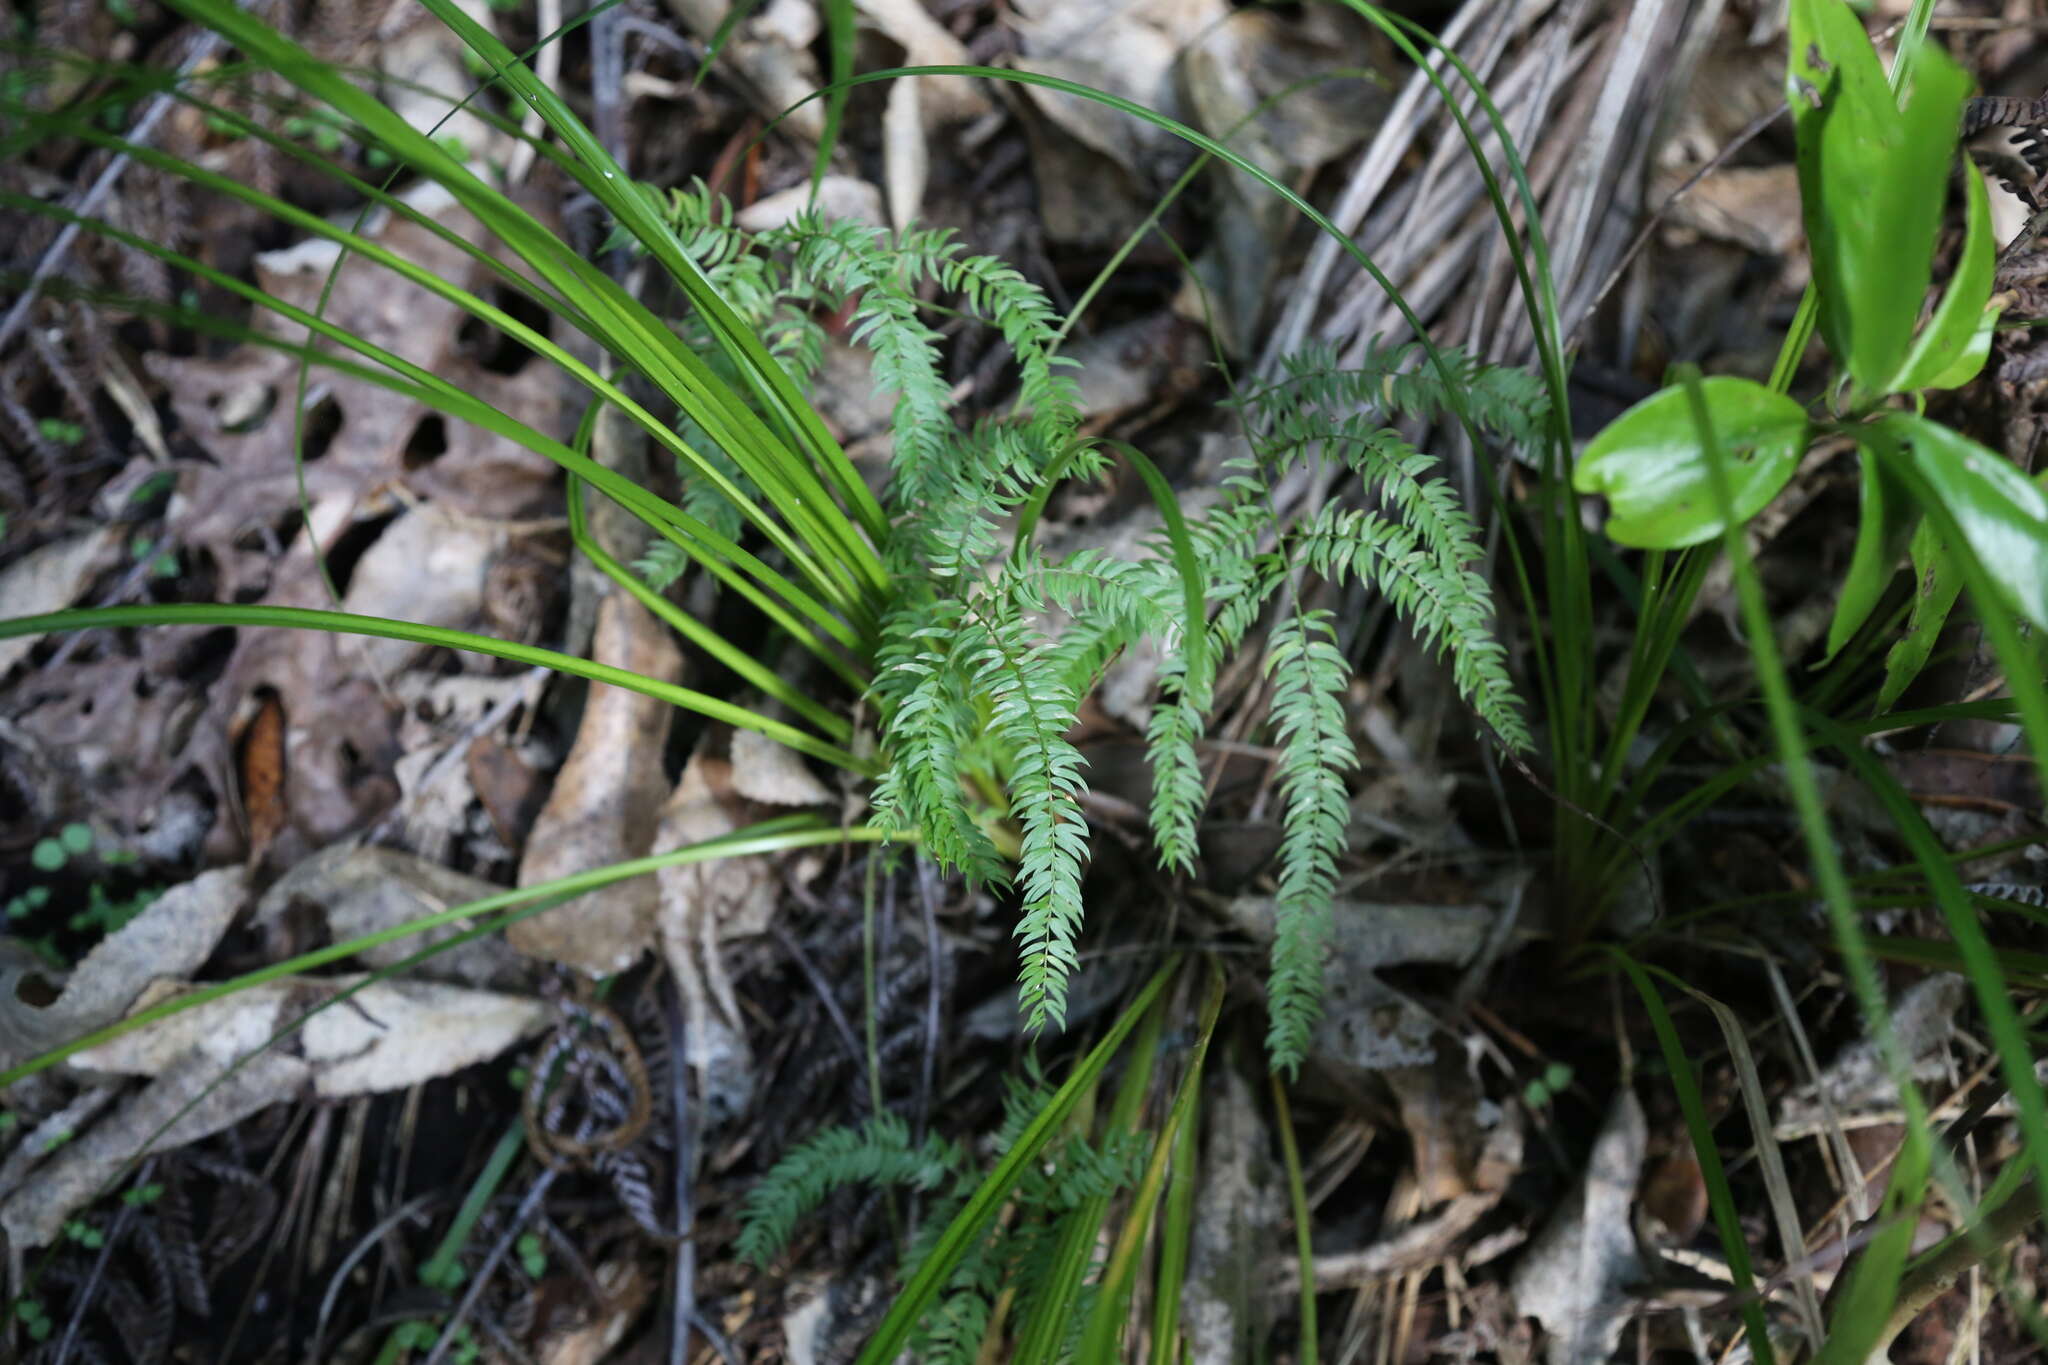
99, 1266
686, 1246
824, 990
479, 1281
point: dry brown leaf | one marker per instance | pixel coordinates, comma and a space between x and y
1578, 1275
50, 578
114, 730
509, 789
341, 738
628, 1287
262, 770
773, 774
172, 937
702, 905
605, 804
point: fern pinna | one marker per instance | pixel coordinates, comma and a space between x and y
1014, 1257
977, 689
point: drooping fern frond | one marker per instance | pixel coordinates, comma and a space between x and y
1511, 404
1446, 606
1239, 580
1309, 677
930, 717
878, 1152
1031, 709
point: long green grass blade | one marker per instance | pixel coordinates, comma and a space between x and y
347, 623
438, 393
938, 1268
1106, 1320
1699, 1127
630, 329
770, 836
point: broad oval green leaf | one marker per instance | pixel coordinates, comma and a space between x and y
1885, 521
1650, 467
2001, 514
1872, 183
1942, 354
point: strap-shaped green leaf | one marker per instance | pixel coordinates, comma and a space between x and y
1873, 178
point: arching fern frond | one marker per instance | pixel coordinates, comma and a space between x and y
1030, 711
1511, 404
878, 1152
1447, 606
1309, 677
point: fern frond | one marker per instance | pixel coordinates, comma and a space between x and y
1447, 606
1239, 580
926, 716
954, 1331
1031, 710
1508, 403
878, 1152
1309, 677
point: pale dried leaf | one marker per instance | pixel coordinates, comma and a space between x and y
701, 905
50, 578
172, 937
605, 804
840, 198
775, 74
1578, 1274
82, 1169
925, 42
388, 1035
773, 774
426, 567
1857, 1080
364, 890
1237, 1227
906, 160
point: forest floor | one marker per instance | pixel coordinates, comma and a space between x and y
1495, 1156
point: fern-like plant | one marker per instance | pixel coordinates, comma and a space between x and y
1013, 1257
977, 691
922, 597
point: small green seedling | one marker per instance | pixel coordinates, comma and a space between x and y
34, 1320
533, 1257
162, 563
1541, 1090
